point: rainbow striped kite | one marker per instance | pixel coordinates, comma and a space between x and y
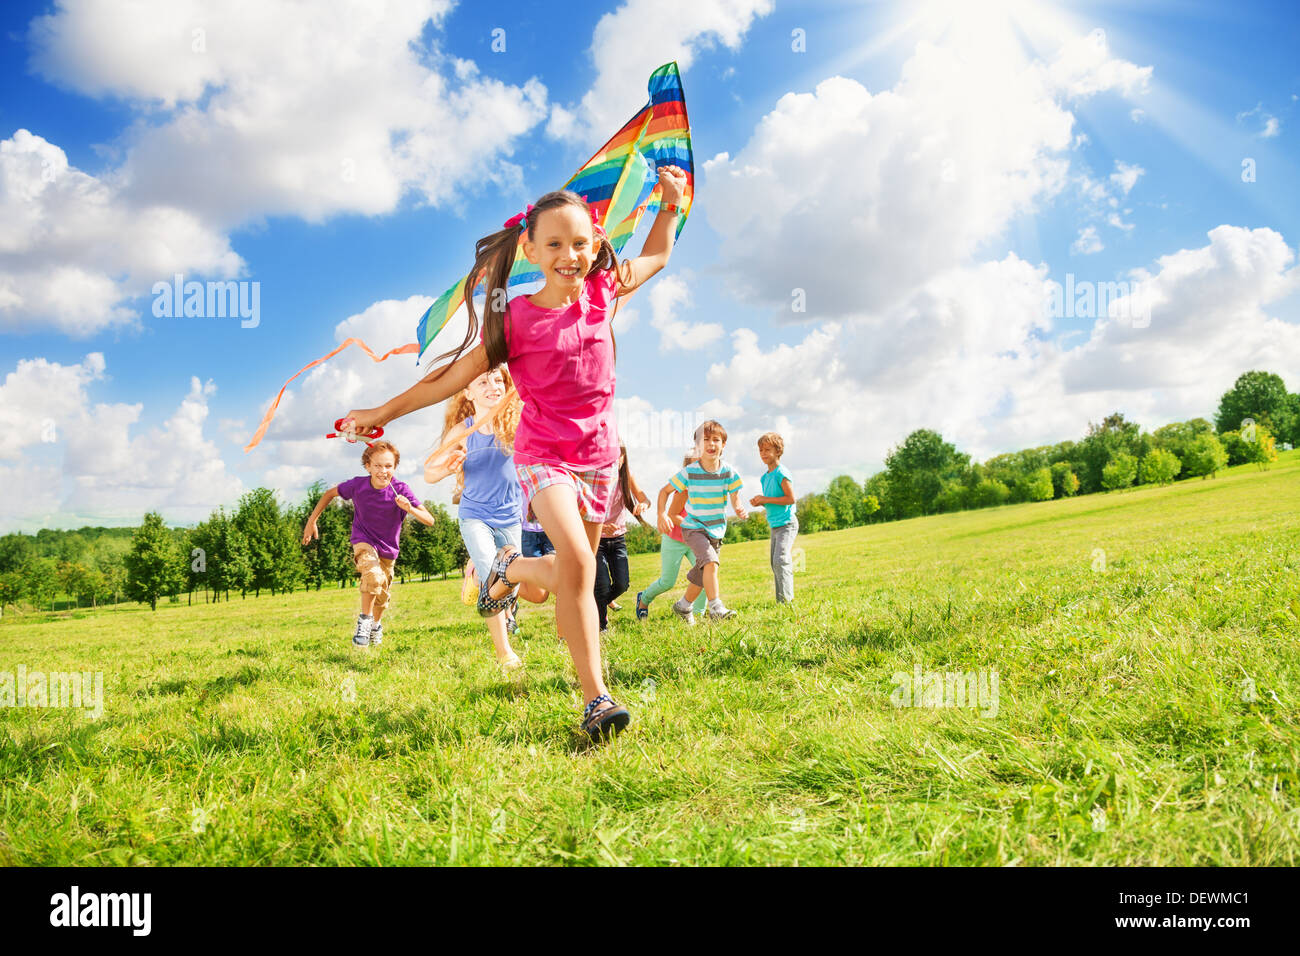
621, 182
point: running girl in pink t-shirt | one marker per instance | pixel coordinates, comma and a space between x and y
560, 347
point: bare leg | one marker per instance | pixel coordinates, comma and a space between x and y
496, 625
710, 589
367, 602
569, 574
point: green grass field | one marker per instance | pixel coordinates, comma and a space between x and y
1146, 711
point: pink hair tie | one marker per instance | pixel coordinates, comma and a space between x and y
514, 221
595, 221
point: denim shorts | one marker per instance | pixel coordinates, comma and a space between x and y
482, 541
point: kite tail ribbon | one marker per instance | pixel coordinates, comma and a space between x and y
270, 412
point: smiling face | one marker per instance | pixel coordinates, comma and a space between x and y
487, 390
563, 245
768, 454
711, 444
381, 467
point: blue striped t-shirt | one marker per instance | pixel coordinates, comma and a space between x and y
706, 496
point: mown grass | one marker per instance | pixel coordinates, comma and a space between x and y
252, 733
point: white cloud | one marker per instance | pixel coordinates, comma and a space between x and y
638, 38
1126, 175
39, 399
1088, 242
859, 199
295, 447
972, 355
1208, 324
75, 248
305, 109
669, 298
1272, 126
242, 111
81, 464
1083, 66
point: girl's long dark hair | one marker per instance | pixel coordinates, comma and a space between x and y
625, 485
494, 256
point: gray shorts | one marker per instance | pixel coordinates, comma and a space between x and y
705, 549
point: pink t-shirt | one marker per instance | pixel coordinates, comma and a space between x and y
562, 361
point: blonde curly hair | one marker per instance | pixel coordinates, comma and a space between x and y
505, 421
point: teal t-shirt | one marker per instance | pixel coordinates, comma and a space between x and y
706, 496
777, 515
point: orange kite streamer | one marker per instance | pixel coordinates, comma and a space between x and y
270, 412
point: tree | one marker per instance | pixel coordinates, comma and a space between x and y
917, 470
1205, 457
16, 552
1177, 437
1288, 429
1160, 467
988, 494
1261, 396
1119, 472
154, 564
275, 552
74, 578
868, 507
13, 585
1037, 485
1254, 445
42, 582
814, 514
1114, 436
1064, 481
844, 495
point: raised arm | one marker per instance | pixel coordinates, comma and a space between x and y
659, 243
430, 390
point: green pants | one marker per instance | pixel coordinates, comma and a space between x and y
671, 555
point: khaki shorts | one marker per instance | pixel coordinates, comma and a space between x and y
376, 574
705, 549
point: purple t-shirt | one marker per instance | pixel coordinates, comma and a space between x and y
376, 519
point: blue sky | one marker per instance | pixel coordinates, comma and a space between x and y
1054, 150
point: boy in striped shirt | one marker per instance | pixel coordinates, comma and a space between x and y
704, 487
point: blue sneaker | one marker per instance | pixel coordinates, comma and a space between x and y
642, 609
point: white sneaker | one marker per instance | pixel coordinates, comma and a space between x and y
362, 636
722, 615
376, 634
686, 615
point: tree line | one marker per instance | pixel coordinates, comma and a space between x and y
254, 548
926, 475
257, 547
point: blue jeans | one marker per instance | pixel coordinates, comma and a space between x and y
536, 544
482, 542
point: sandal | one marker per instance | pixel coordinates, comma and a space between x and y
488, 605
606, 723
469, 586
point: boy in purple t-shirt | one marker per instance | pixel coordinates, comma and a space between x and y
379, 503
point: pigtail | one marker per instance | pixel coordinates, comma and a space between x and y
494, 256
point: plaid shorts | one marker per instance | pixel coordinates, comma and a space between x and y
593, 488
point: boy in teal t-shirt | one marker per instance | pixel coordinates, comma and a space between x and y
778, 500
